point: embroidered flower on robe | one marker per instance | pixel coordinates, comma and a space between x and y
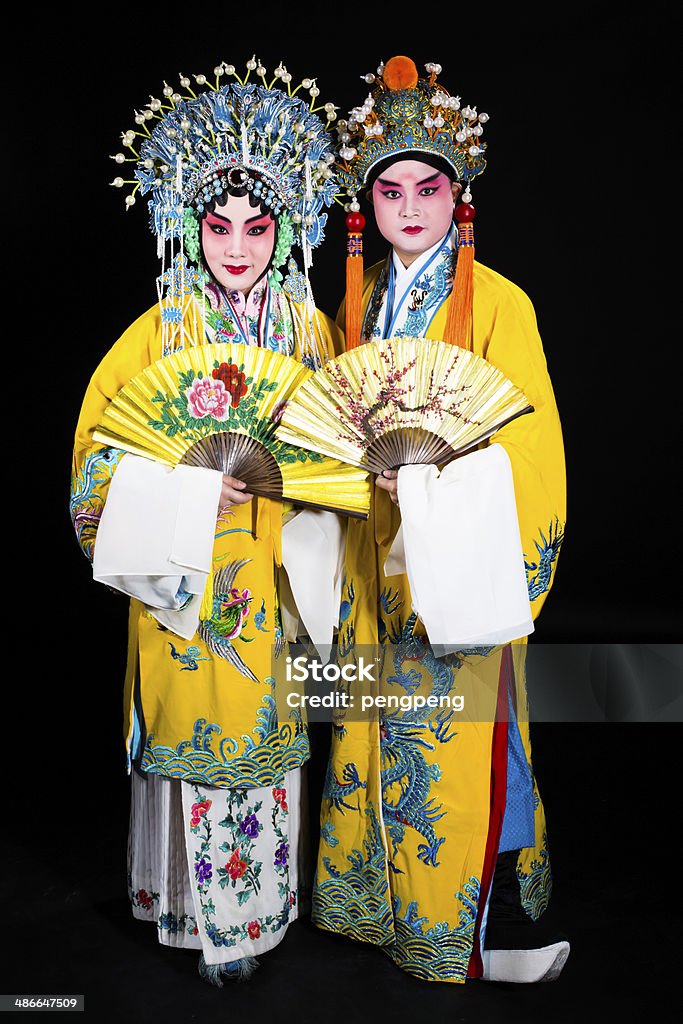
203, 869
198, 810
280, 797
254, 929
281, 855
250, 826
144, 899
235, 866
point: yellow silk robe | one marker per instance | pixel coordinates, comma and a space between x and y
407, 803
190, 713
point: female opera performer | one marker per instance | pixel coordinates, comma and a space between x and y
236, 173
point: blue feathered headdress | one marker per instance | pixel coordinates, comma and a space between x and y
188, 146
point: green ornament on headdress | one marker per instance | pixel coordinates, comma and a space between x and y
191, 233
285, 241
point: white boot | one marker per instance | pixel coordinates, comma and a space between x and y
525, 965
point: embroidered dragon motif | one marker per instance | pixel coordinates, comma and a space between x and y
336, 791
539, 573
406, 776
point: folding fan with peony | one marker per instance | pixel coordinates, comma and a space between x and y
401, 401
218, 406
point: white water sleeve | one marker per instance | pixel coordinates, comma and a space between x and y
155, 538
463, 551
313, 547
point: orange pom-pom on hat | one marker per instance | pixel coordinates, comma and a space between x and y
400, 73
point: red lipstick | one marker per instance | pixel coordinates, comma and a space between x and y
236, 270
413, 230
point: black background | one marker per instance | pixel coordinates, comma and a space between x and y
577, 207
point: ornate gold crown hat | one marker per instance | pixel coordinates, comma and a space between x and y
405, 112
408, 114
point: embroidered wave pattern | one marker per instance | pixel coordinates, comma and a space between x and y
281, 748
439, 952
536, 885
355, 902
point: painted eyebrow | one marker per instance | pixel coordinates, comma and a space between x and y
259, 216
396, 184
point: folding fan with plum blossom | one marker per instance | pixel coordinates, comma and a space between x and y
401, 401
218, 406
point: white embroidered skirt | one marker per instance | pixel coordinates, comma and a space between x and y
219, 870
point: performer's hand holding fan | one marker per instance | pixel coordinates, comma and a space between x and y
399, 402
218, 406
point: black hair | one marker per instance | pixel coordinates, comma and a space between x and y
439, 163
238, 191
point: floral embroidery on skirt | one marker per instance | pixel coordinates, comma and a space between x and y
218, 869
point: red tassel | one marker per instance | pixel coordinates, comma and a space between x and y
355, 222
459, 317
